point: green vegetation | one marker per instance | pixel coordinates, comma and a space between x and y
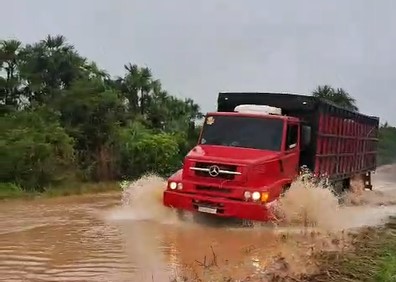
373, 259
68, 127
338, 96
387, 144
64, 120
12, 191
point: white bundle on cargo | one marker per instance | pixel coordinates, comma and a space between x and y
258, 109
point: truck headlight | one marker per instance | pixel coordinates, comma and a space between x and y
173, 185
256, 196
247, 195
179, 186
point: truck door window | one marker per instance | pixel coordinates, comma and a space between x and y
292, 136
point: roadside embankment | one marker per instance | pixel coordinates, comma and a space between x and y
12, 191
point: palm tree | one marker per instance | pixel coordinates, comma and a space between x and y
339, 97
9, 59
324, 92
50, 66
139, 84
9, 50
145, 86
93, 71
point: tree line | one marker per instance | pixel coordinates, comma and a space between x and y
65, 119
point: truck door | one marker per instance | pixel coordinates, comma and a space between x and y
291, 151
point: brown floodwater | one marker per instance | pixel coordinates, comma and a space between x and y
131, 237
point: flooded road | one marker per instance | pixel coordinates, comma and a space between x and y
59, 240
131, 237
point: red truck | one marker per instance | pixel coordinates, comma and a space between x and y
251, 149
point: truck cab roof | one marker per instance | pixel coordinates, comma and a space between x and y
255, 115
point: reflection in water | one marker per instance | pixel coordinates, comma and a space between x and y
94, 238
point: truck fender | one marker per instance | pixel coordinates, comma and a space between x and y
177, 176
279, 187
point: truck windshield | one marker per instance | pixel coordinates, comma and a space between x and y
246, 132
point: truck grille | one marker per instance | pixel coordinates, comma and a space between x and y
223, 171
213, 189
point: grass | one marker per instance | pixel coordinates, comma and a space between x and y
373, 259
82, 188
387, 271
12, 191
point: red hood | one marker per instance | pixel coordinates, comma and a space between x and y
231, 154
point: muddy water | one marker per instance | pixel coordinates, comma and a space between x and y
131, 237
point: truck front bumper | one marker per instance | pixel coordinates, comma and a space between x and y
219, 206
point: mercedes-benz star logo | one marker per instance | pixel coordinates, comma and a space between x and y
214, 170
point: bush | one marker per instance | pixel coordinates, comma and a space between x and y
8, 190
142, 151
35, 150
387, 145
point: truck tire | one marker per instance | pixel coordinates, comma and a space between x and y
346, 184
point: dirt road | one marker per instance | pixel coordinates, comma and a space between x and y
131, 237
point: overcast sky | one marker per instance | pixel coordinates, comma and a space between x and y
198, 48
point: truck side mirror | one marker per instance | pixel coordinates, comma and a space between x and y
305, 136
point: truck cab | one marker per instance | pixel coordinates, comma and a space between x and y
244, 160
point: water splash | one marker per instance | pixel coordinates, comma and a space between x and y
312, 204
313, 220
142, 201
140, 218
